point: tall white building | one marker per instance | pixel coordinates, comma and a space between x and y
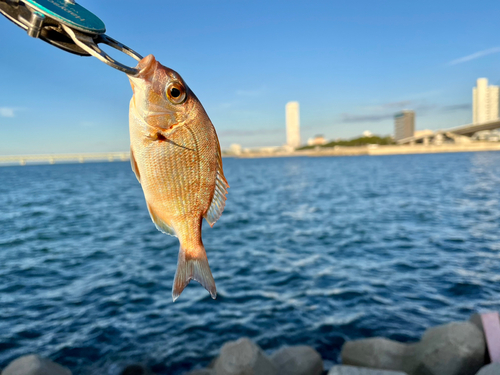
484, 102
292, 124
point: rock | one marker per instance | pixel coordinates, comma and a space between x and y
476, 320
452, 349
34, 365
351, 370
203, 371
243, 357
379, 353
298, 360
136, 369
212, 362
491, 369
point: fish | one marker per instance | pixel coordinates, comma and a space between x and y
176, 157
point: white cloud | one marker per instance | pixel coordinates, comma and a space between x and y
474, 56
7, 111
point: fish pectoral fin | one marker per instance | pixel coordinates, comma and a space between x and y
133, 163
218, 203
193, 267
159, 223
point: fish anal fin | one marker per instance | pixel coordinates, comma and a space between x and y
218, 201
133, 163
160, 224
193, 266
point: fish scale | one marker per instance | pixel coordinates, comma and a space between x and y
176, 157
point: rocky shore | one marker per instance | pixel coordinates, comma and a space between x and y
457, 348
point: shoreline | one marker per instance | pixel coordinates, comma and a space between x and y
369, 150
376, 150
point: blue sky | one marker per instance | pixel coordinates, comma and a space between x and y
351, 65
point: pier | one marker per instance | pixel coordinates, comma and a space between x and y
64, 158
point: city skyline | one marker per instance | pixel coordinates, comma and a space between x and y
350, 69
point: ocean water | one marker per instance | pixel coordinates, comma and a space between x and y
310, 251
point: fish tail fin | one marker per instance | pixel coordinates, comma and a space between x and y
193, 265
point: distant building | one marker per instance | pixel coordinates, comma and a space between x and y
484, 102
317, 140
367, 133
235, 149
292, 124
404, 125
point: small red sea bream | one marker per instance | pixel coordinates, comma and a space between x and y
175, 155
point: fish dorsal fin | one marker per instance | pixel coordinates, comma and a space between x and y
160, 224
133, 163
219, 199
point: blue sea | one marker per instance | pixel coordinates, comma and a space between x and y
312, 251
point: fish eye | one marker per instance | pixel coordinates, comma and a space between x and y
176, 93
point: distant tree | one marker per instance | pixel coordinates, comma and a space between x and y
360, 141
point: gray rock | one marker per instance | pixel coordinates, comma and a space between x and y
243, 357
212, 362
351, 370
136, 369
379, 353
476, 320
298, 360
491, 369
203, 371
34, 365
452, 349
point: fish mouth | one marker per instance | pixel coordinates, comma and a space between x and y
146, 68
134, 81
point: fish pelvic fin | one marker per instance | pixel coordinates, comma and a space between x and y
193, 265
159, 223
134, 166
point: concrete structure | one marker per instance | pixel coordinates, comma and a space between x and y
484, 102
436, 138
292, 124
421, 133
465, 131
487, 135
404, 125
64, 158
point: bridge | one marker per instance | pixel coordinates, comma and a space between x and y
64, 158
470, 129
457, 134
